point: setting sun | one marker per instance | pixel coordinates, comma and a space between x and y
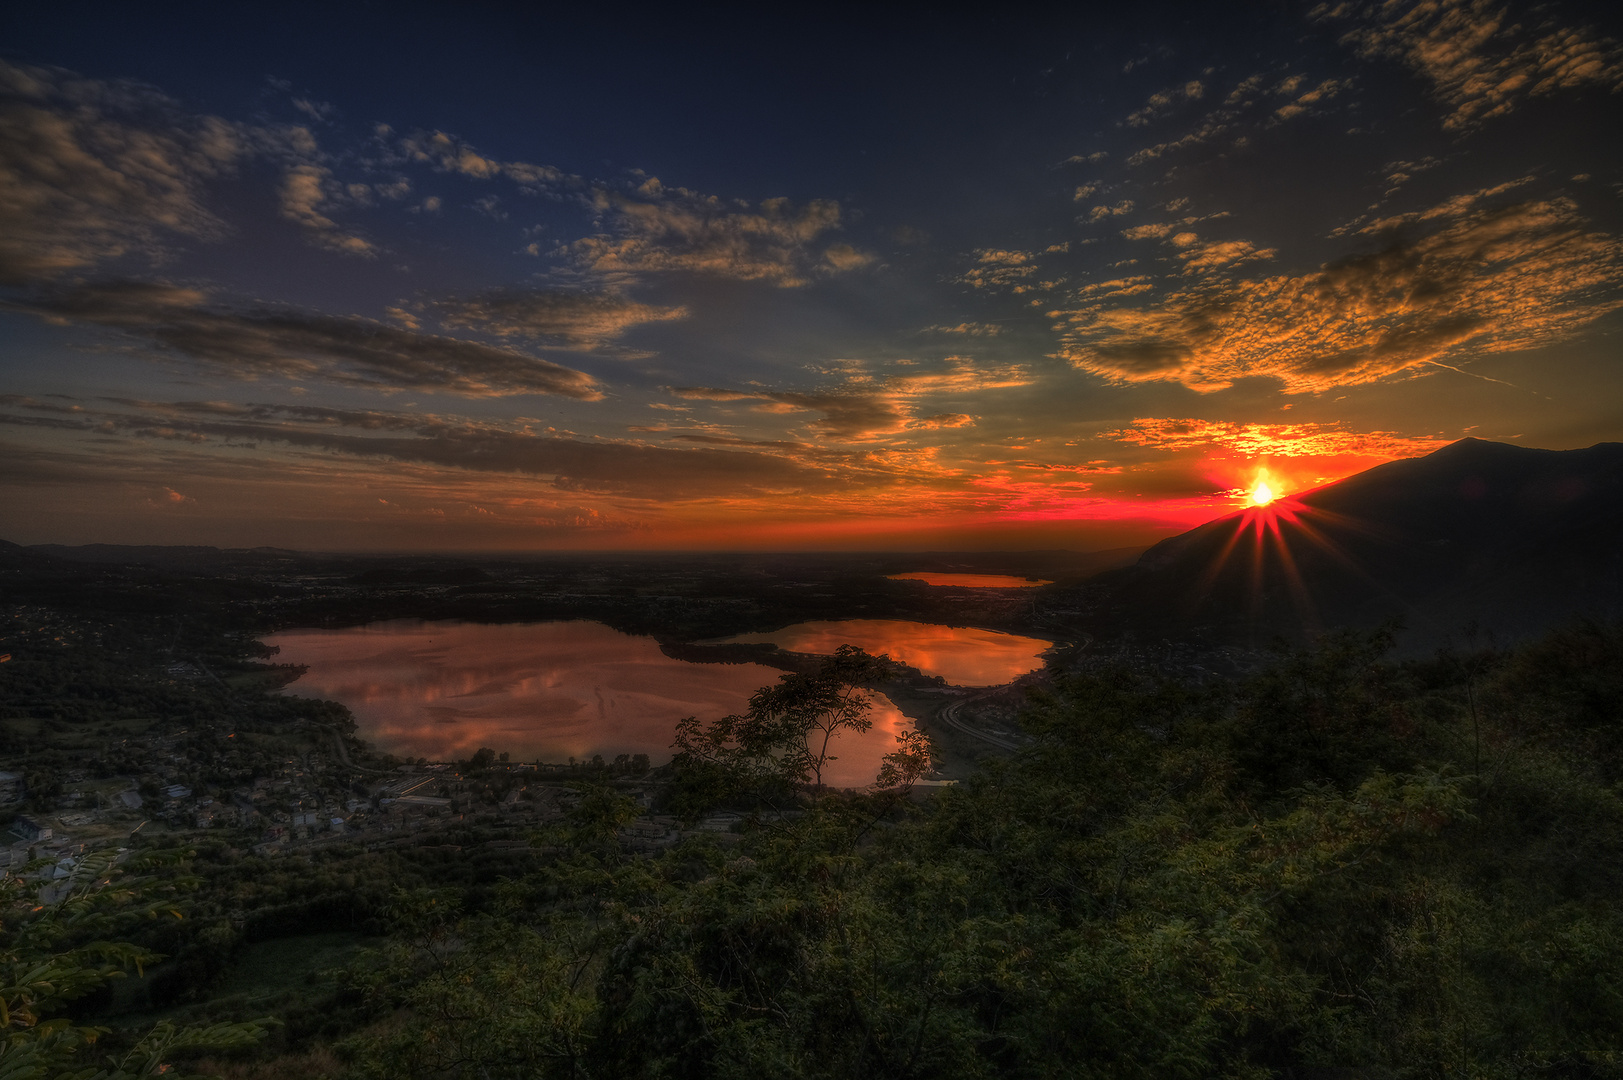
1262, 494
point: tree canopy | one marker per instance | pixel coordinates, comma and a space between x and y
1304, 873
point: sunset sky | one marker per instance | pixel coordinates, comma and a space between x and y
399, 277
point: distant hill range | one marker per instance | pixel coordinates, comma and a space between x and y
192, 557
1502, 539
472, 569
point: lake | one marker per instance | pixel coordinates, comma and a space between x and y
539, 691
962, 655
973, 581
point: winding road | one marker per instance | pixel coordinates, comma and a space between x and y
949, 716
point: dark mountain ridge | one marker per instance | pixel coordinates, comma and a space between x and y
1500, 540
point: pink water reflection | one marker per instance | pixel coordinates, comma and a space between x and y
973, 581
962, 655
546, 691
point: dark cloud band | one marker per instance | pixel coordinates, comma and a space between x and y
292, 344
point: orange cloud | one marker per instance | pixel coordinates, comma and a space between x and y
1480, 63
301, 475
1164, 101
1209, 129
1304, 103
448, 153
862, 406
970, 329
673, 229
305, 190
1127, 286
1271, 440
844, 257
1492, 279
997, 268
945, 420
1153, 231
1100, 213
1215, 254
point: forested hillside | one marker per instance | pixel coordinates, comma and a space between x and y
1342, 866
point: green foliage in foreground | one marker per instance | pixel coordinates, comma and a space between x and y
1339, 868
58, 944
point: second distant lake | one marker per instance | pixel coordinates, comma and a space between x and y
547, 691
973, 581
962, 655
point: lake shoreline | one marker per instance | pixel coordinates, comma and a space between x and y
397, 710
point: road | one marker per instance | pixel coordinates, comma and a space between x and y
949, 716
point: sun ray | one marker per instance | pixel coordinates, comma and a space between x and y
1215, 567
1293, 577
1278, 532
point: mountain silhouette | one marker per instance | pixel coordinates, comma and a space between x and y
1477, 539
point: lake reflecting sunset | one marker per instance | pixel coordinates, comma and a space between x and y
539, 691
973, 581
962, 655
